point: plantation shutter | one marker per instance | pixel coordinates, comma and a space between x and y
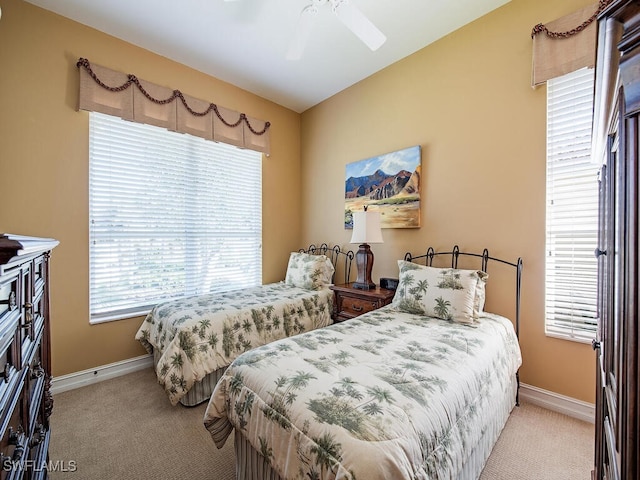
171, 215
572, 208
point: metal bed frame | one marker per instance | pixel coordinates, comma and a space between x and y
455, 253
333, 253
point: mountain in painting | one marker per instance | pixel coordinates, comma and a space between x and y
380, 185
360, 186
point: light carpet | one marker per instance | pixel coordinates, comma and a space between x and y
125, 428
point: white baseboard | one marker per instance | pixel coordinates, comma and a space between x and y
558, 403
99, 374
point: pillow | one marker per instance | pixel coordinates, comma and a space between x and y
447, 293
328, 271
478, 306
309, 271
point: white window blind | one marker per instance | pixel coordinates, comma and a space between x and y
572, 209
171, 215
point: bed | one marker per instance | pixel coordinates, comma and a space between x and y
194, 339
418, 389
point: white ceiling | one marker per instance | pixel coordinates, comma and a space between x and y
244, 42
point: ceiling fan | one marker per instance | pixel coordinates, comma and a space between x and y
346, 12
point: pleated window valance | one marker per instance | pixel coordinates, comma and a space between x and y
124, 95
566, 44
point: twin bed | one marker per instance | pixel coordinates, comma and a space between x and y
194, 339
419, 389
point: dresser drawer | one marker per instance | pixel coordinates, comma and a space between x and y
14, 443
31, 326
9, 335
9, 369
9, 291
35, 380
38, 275
38, 450
39, 456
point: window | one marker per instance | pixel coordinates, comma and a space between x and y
170, 215
572, 209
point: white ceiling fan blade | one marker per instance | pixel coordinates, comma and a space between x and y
360, 25
303, 30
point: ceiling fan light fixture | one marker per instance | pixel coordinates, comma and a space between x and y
347, 13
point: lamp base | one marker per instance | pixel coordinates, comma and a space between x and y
364, 286
364, 262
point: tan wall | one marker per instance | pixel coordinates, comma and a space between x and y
465, 99
44, 164
468, 102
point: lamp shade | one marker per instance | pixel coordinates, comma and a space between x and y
366, 227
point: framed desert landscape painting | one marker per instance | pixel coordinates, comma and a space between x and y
388, 183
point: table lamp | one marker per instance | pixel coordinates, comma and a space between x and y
366, 229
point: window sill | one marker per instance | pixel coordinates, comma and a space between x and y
586, 339
119, 316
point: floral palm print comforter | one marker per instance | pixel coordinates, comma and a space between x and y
385, 395
197, 335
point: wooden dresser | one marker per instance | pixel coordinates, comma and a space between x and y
351, 302
25, 356
616, 144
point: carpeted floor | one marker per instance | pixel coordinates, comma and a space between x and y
125, 428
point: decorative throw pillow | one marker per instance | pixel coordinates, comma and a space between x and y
309, 271
447, 293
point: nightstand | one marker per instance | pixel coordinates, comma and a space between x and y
351, 302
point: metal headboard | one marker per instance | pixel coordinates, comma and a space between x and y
485, 257
336, 255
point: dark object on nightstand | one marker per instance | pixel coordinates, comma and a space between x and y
389, 283
351, 301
